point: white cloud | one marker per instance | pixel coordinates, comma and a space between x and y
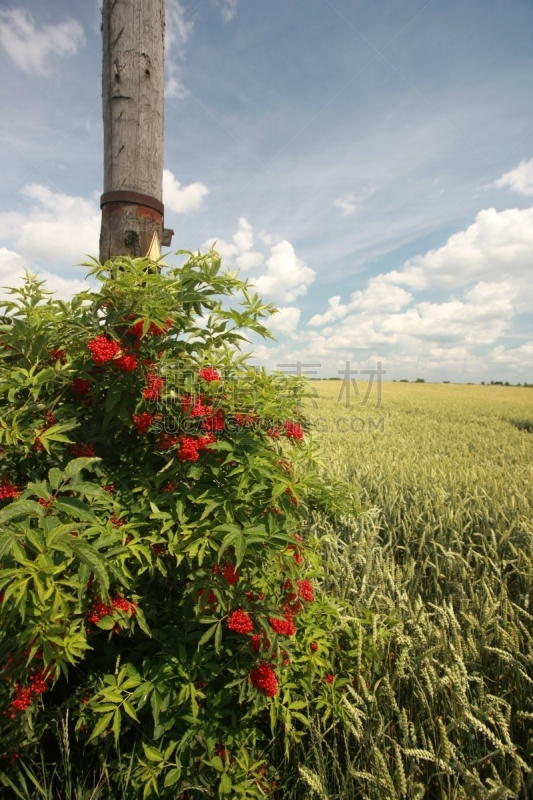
178, 28
173, 86
487, 266
244, 237
228, 8
182, 199
335, 311
287, 277
12, 267
498, 244
240, 249
519, 179
518, 357
11, 264
30, 47
286, 320
378, 296
347, 205
55, 228
250, 260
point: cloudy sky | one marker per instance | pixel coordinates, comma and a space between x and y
369, 165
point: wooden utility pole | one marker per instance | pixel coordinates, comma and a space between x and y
133, 110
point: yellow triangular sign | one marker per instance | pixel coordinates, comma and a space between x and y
154, 251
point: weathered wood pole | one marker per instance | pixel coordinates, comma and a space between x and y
133, 111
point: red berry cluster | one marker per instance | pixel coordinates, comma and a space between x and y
153, 329
127, 362
58, 354
99, 610
305, 590
116, 522
45, 503
49, 421
240, 622
80, 386
125, 605
103, 349
194, 406
8, 489
313, 647
141, 422
80, 450
330, 678
251, 597
190, 448
255, 642
296, 553
169, 487
293, 430
243, 420
166, 441
25, 695
212, 599
154, 387
264, 678
223, 752
215, 422
231, 574
284, 627
209, 374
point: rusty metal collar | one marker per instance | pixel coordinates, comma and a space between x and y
123, 196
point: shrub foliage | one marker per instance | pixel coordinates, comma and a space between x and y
157, 583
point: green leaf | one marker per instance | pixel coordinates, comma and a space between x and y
19, 508
77, 464
90, 489
116, 725
92, 558
273, 717
55, 476
75, 508
130, 711
7, 541
240, 547
225, 784
218, 639
173, 776
44, 376
208, 634
152, 753
141, 620
101, 726
195, 472
106, 623
113, 395
228, 539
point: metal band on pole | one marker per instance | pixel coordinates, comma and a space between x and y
124, 196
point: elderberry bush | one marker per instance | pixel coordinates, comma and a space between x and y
158, 585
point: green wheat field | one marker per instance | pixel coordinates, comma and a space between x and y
443, 548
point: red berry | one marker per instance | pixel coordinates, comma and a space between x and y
240, 622
103, 349
264, 678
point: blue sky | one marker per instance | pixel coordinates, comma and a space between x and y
369, 165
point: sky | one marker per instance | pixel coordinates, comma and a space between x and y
367, 165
